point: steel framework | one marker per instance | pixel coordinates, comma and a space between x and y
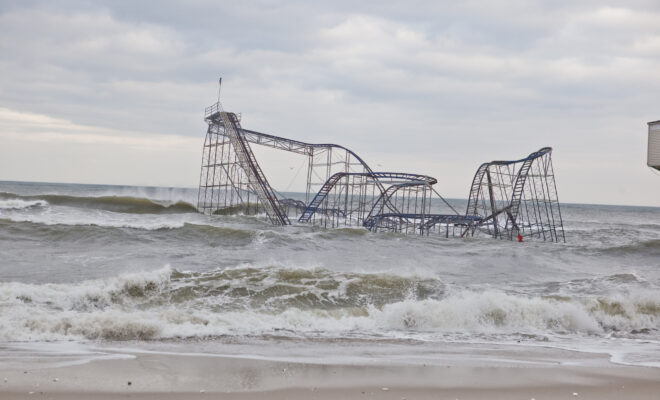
507, 200
518, 198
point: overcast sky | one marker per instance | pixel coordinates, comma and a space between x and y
114, 92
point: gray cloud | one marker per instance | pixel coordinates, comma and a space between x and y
433, 86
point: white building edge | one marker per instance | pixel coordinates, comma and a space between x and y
653, 156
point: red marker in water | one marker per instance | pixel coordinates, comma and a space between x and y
520, 237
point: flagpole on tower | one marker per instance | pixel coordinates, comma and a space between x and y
219, 88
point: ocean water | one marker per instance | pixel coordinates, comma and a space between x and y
138, 267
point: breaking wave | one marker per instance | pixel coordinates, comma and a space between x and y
302, 302
19, 204
84, 229
121, 204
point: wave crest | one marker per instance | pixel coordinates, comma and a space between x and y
646, 247
167, 303
122, 204
19, 204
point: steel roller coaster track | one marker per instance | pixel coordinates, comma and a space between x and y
507, 199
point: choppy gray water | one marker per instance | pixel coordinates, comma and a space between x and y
138, 264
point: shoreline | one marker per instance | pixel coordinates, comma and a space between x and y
186, 376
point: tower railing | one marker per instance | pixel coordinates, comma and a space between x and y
255, 175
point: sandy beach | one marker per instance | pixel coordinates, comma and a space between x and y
171, 376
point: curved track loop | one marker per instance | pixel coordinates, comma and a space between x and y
473, 198
522, 178
474, 189
523, 192
377, 177
296, 146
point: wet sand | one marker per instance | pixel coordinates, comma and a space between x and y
170, 376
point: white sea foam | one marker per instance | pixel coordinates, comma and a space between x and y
143, 306
103, 219
18, 204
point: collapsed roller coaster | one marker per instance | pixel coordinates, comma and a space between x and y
508, 199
